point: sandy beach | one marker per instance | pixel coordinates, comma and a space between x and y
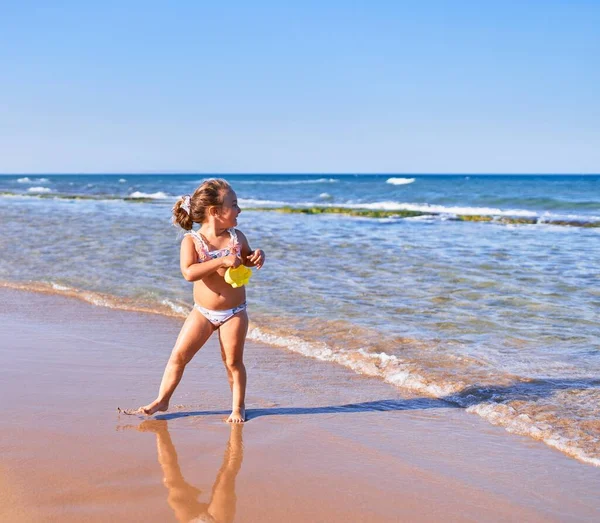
322, 443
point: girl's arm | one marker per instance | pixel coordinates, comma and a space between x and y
194, 271
250, 258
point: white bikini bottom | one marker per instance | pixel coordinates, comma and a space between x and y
217, 318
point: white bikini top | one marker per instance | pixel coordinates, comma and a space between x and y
204, 254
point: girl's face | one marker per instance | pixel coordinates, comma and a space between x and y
229, 210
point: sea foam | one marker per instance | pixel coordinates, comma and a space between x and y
153, 196
179, 309
441, 210
388, 367
250, 202
400, 181
29, 180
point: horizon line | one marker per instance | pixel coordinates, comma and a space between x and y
363, 173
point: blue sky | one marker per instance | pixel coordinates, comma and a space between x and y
330, 86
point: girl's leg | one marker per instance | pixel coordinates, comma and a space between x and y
224, 358
193, 335
232, 335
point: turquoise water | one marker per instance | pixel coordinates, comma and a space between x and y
500, 318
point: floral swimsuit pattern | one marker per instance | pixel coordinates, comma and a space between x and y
204, 254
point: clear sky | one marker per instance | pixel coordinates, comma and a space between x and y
307, 86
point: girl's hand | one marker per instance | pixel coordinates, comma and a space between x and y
231, 261
256, 258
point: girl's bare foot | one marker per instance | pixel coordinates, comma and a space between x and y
155, 406
237, 415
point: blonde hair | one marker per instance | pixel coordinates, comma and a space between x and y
210, 193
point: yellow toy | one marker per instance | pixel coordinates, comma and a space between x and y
238, 277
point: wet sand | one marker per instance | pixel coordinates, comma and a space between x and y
321, 443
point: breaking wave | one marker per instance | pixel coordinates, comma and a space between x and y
400, 181
153, 196
29, 180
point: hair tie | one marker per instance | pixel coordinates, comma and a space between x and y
185, 205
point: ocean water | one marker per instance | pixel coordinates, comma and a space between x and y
489, 299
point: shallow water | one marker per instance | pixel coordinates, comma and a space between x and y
502, 319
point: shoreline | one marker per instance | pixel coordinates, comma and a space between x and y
417, 381
322, 443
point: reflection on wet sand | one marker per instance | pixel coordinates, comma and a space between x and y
183, 497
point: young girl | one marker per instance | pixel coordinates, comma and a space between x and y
206, 255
